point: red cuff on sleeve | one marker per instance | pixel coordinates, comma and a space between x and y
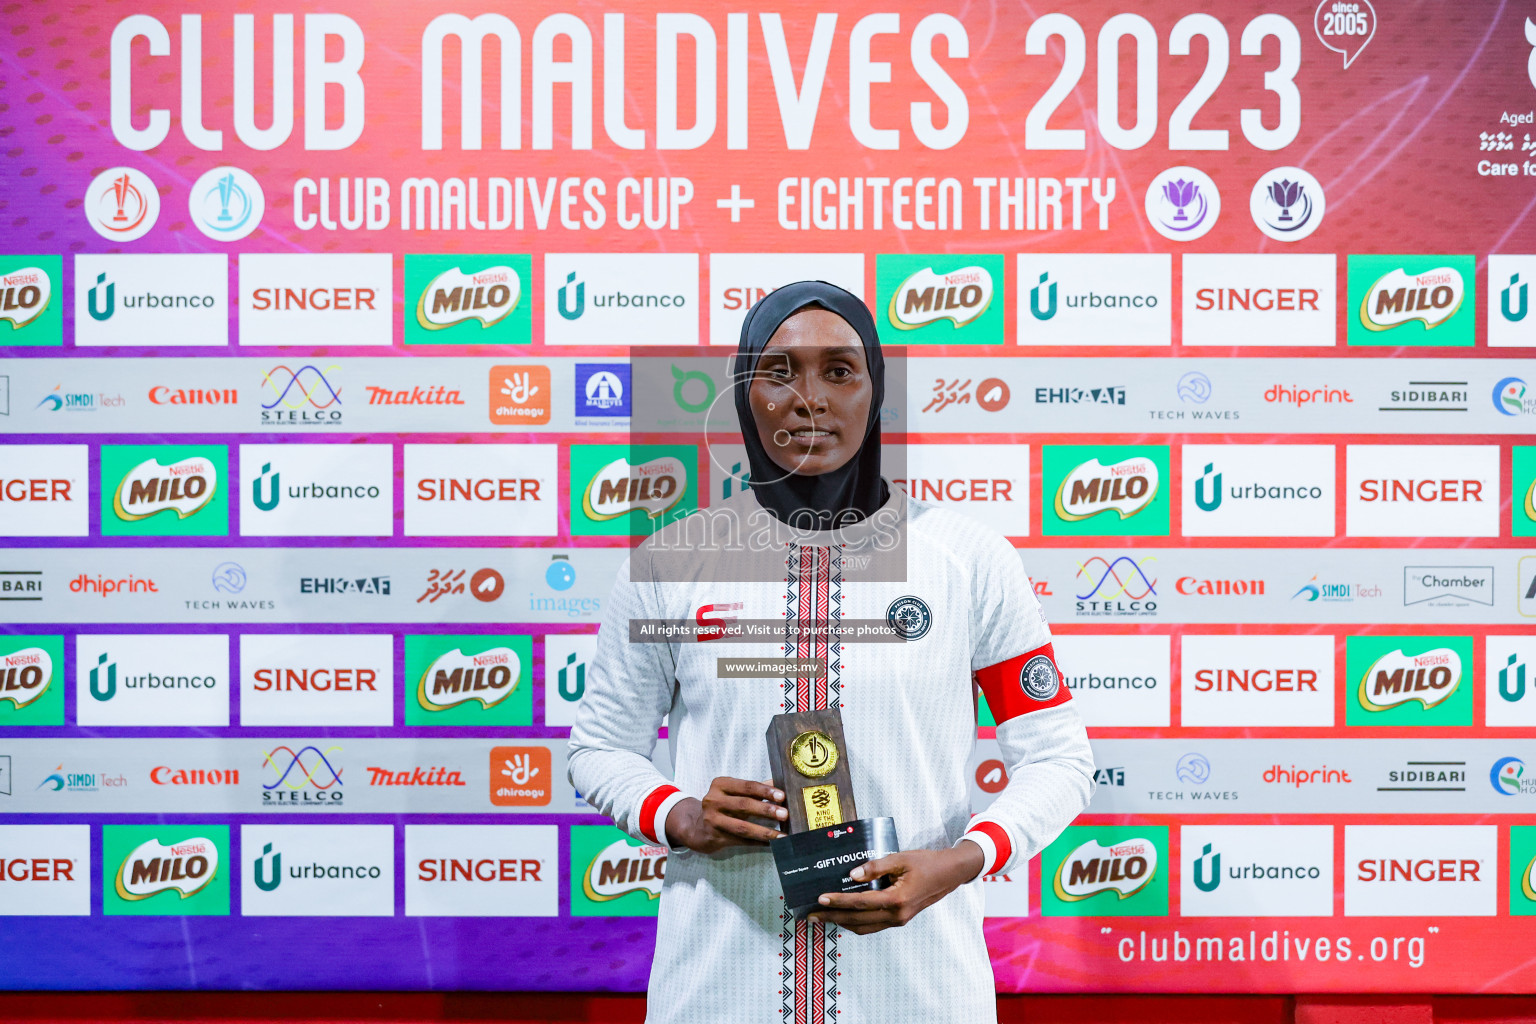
648, 823
1023, 684
1000, 843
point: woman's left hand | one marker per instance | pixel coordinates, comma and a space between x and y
919, 878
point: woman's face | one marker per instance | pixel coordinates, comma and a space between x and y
811, 393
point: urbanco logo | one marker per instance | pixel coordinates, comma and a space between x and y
1258, 490
175, 870
1117, 680
152, 299
323, 299
317, 870
1408, 680
1256, 871
468, 300
1412, 300
152, 679
1511, 322
1110, 299
1106, 871
621, 299
30, 301
566, 657
1509, 680
316, 490
468, 680
44, 490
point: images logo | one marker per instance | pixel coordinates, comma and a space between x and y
122, 204
302, 397
612, 876
164, 869
1406, 681
942, 299
468, 680
1087, 862
468, 300
226, 204
959, 296
1399, 300
1182, 203
488, 677
164, 490
613, 481
1084, 482
1287, 204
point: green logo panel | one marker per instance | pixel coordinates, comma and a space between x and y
1522, 870
1408, 680
1106, 871
631, 490
165, 870
1116, 498
939, 299
32, 300
469, 299
1523, 494
612, 875
165, 490
31, 680
469, 680
1412, 300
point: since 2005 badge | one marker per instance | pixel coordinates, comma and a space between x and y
909, 617
1040, 678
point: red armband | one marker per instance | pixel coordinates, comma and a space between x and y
1023, 684
652, 829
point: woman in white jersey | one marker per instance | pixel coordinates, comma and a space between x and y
822, 538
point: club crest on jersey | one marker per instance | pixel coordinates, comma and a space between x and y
1039, 678
909, 617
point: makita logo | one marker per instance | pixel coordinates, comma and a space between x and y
418, 776
439, 394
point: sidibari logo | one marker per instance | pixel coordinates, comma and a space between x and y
454, 297
1397, 678
1124, 868
455, 678
620, 868
24, 295
149, 487
618, 488
25, 676
1396, 298
186, 867
1124, 487
572, 297
959, 296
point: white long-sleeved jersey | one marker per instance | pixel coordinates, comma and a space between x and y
725, 948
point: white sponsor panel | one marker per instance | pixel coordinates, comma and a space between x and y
481, 870
567, 657
152, 679
1509, 680
621, 298
1511, 319
737, 280
328, 299
481, 490
152, 299
987, 482
1420, 490
1421, 870
1280, 299
44, 490
729, 471
1007, 895
1245, 679
317, 490
316, 679
1255, 490
45, 870
1117, 680
1256, 871
317, 870
1095, 299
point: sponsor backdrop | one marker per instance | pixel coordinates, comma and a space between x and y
344, 354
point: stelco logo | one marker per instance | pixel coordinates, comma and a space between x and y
24, 295
1124, 487
454, 297
187, 867
455, 678
149, 487
1124, 867
25, 675
1399, 678
620, 868
1432, 297
958, 296
618, 487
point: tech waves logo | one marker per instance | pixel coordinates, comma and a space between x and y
149, 488
186, 867
1397, 678
456, 678
303, 397
1125, 868
301, 777
454, 297
24, 295
1124, 487
25, 676
1397, 298
959, 296
654, 487
620, 868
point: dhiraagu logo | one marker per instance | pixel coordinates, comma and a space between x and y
1109, 871
1409, 680
612, 875
631, 490
941, 299
1412, 300
468, 680
164, 490
31, 680
165, 870
468, 300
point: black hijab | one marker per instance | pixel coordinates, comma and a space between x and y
847, 494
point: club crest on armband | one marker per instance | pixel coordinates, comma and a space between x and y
1039, 678
909, 617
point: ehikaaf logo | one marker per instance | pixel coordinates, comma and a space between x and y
926, 297
183, 487
152, 867
654, 487
455, 297
1397, 678
454, 678
1124, 868
1125, 487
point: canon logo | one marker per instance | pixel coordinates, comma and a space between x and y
1444, 491
508, 869
163, 776
34, 490
483, 489
321, 680
162, 395
1261, 680
1445, 869
1192, 586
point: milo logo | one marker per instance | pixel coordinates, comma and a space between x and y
454, 297
1124, 868
1396, 298
1397, 678
25, 675
456, 678
959, 296
186, 867
620, 868
183, 487
24, 295
1124, 487
655, 487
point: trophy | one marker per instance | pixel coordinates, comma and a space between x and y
827, 839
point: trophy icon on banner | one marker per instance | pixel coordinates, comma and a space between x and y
1286, 194
1180, 194
226, 187
122, 188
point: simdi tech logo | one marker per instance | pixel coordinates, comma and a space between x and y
1106, 871
1104, 490
165, 870
1408, 680
468, 300
612, 875
1412, 300
30, 311
941, 299
631, 490
164, 490
468, 680
31, 680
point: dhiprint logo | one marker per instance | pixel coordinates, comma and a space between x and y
152, 679
1412, 681
153, 299
468, 680
322, 299
612, 876
1414, 870
122, 204
1182, 203
1511, 322
1083, 483
1411, 300
603, 390
173, 870
634, 298
1103, 584
1257, 871
566, 657
317, 490
1278, 299
226, 204
1096, 299
1287, 204
317, 871
941, 299
1106, 871
307, 777
1243, 490
302, 397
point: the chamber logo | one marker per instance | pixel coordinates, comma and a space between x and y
186, 867
1397, 678
620, 868
149, 488
24, 295
1125, 868
618, 488
454, 297
959, 296
1396, 298
1124, 487
454, 678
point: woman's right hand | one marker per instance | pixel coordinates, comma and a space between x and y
722, 818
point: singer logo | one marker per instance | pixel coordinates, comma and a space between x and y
521, 776
455, 678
